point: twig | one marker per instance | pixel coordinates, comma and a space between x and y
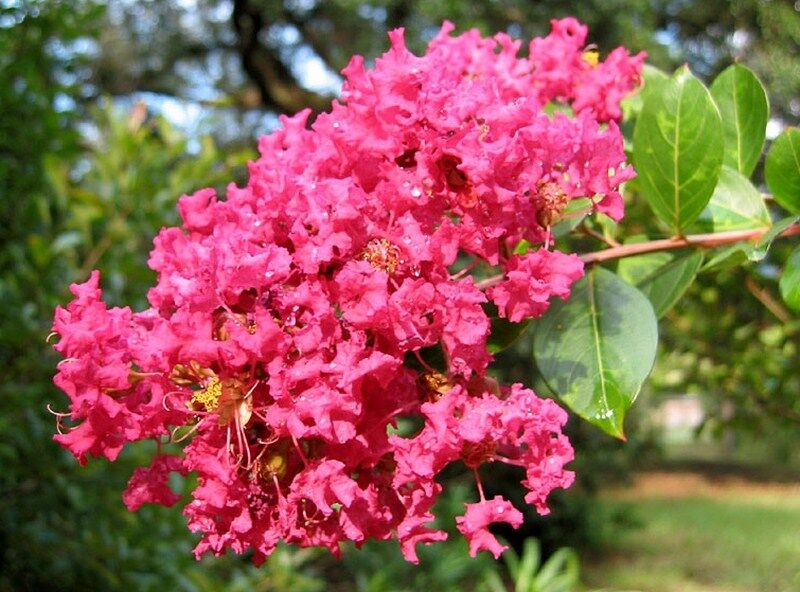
601, 237
766, 403
763, 296
490, 281
703, 241
94, 255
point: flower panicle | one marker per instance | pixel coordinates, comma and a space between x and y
294, 322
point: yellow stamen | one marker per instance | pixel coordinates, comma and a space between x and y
382, 254
551, 200
591, 57
209, 396
274, 464
435, 384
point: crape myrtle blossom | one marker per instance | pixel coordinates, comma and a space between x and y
291, 322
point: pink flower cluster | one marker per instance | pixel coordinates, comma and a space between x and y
291, 324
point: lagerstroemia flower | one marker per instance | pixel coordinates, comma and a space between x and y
290, 323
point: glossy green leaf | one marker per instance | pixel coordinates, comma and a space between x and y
595, 350
522, 247
735, 205
765, 242
677, 149
743, 104
738, 253
572, 216
666, 285
790, 281
635, 269
653, 79
504, 334
782, 170
727, 257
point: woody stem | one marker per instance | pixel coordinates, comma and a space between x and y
700, 241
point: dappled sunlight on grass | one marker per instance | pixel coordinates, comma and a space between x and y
702, 535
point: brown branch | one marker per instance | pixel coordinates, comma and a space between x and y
275, 82
768, 300
94, 255
490, 281
321, 46
701, 241
773, 407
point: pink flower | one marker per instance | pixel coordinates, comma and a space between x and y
532, 280
295, 322
150, 485
474, 524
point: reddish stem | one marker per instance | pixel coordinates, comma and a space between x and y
702, 241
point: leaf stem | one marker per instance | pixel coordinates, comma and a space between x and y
600, 237
702, 241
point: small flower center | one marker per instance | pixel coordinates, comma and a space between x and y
221, 317
551, 200
382, 254
207, 397
435, 384
274, 464
475, 454
591, 57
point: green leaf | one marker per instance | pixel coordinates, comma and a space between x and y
573, 214
677, 149
527, 566
560, 573
522, 247
742, 102
666, 285
790, 281
595, 350
635, 269
727, 257
765, 242
653, 80
554, 107
782, 170
738, 253
504, 334
735, 205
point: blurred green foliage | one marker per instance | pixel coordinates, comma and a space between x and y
63, 527
742, 360
560, 573
195, 51
69, 203
116, 198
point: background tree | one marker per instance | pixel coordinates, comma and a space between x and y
255, 54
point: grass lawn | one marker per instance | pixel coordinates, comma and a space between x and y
699, 535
